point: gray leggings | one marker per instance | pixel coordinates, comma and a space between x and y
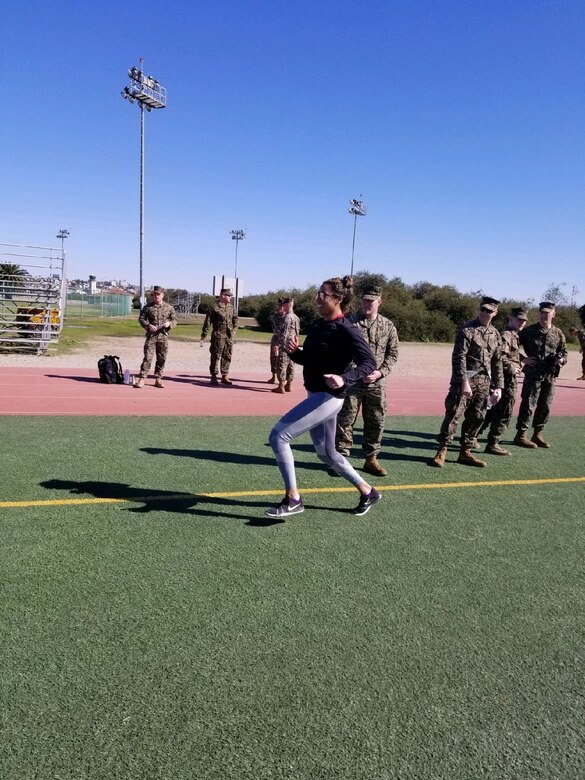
317, 414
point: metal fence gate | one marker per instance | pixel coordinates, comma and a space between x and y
32, 295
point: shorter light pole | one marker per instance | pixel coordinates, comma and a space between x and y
237, 236
358, 209
63, 234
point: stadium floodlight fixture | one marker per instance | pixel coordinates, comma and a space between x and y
237, 236
149, 94
358, 209
63, 234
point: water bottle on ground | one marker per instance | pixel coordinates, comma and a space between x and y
127, 377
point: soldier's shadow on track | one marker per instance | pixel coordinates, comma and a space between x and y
221, 456
92, 379
152, 500
205, 382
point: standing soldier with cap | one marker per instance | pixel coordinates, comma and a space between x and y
546, 352
157, 318
512, 365
580, 333
477, 362
286, 328
370, 392
223, 321
276, 318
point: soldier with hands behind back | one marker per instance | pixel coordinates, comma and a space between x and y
286, 328
476, 363
370, 392
512, 360
546, 352
223, 321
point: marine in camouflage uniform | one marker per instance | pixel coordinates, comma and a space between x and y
546, 352
286, 327
476, 362
157, 318
223, 321
512, 365
580, 333
275, 319
370, 393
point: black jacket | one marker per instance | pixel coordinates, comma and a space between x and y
334, 347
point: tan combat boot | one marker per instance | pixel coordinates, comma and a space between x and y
495, 449
225, 380
272, 380
288, 387
439, 459
139, 382
371, 466
539, 441
214, 380
279, 389
467, 458
158, 382
520, 440
579, 378
475, 445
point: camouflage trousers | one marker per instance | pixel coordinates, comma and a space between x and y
537, 396
285, 367
503, 410
372, 400
273, 356
221, 355
471, 409
157, 343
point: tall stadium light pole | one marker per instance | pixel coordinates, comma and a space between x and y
358, 209
149, 94
63, 234
237, 236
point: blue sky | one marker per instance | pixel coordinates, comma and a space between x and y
462, 125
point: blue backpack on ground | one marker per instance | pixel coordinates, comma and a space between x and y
110, 370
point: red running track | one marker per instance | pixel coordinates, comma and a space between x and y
41, 391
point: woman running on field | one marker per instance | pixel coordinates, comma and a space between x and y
334, 356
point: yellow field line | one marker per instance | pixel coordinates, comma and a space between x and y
251, 493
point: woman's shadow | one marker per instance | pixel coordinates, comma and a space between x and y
152, 500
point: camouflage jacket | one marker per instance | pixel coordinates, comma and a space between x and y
581, 337
286, 326
382, 338
222, 319
157, 314
477, 350
511, 355
544, 345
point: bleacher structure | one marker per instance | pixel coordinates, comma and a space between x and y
33, 292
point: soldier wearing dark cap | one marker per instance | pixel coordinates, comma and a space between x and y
276, 319
512, 365
546, 352
223, 321
370, 392
477, 363
580, 334
157, 318
286, 328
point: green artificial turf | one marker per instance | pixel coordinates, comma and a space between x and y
174, 635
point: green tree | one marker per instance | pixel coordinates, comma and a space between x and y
12, 270
555, 294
